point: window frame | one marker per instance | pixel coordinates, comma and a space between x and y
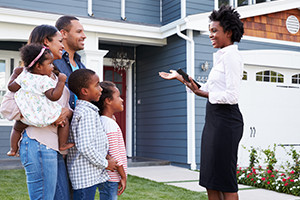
7, 56
269, 76
234, 3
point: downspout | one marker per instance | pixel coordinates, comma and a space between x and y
190, 61
123, 10
183, 8
90, 8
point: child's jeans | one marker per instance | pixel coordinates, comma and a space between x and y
108, 191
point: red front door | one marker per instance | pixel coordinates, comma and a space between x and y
119, 78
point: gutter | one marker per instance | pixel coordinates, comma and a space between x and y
190, 68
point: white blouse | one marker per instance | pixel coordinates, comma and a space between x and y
224, 80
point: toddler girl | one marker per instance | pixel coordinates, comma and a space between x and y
35, 95
110, 102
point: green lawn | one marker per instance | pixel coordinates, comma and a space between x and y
13, 187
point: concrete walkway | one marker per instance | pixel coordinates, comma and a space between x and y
185, 178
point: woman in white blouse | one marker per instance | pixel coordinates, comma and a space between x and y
223, 123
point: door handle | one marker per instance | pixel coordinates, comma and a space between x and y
251, 131
254, 131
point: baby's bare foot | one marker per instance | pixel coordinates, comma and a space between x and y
11, 153
66, 146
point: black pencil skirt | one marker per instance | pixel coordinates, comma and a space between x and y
222, 133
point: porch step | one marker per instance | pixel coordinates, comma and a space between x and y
142, 161
13, 163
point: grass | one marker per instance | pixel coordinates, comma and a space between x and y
13, 187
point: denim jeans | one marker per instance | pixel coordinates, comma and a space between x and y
62, 187
41, 164
107, 190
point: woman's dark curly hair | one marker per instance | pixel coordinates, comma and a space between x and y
30, 51
230, 21
107, 92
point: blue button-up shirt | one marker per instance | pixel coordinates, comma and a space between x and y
64, 66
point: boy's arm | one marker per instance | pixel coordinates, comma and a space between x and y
84, 130
122, 184
55, 93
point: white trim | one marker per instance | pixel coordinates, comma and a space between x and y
267, 8
130, 39
183, 8
129, 105
272, 58
136, 32
267, 40
129, 108
30, 19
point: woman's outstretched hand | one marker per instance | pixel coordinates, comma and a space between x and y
169, 76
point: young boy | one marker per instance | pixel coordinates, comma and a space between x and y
87, 159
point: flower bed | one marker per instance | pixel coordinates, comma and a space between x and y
285, 181
268, 179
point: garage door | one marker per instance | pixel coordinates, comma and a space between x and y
270, 104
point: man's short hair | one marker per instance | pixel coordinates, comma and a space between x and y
79, 79
64, 22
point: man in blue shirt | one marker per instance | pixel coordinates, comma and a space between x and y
73, 40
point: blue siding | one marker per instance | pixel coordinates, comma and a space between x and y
70, 7
143, 11
203, 52
161, 115
171, 11
198, 6
5, 142
107, 9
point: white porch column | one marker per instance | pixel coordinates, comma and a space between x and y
91, 56
93, 59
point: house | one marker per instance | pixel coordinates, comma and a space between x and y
161, 120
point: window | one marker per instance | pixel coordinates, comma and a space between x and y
237, 3
2, 80
296, 79
269, 76
245, 75
8, 60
